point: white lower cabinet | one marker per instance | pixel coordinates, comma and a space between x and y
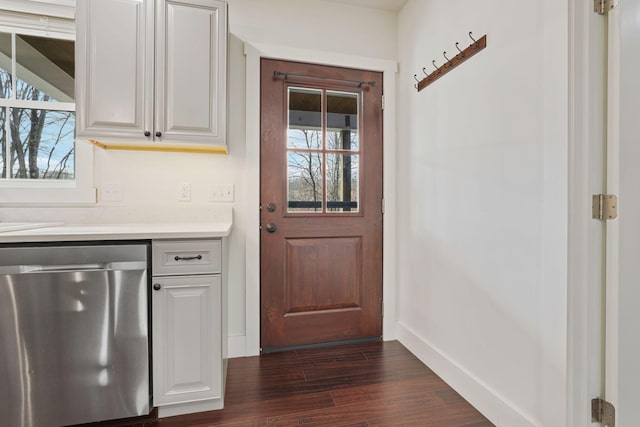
187, 325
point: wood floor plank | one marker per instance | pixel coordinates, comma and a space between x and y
392, 367
406, 389
371, 384
362, 412
453, 416
253, 412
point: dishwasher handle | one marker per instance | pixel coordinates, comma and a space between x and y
59, 268
67, 267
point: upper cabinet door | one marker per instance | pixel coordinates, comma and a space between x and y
152, 74
114, 60
191, 67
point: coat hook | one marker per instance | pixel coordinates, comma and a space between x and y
434, 64
415, 86
474, 40
415, 76
445, 57
457, 47
424, 70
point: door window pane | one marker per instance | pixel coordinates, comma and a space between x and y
304, 171
342, 121
42, 144
342, 182
305, 118
323, 175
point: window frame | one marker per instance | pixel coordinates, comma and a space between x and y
80, 190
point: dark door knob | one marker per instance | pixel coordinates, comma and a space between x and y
271, 228
158, 134
147, 133
156, 286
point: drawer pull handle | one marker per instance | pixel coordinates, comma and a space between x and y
187, 258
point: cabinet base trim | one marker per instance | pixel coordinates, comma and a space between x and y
169, 147
190, 407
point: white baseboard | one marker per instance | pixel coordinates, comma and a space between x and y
237, 345
493, 406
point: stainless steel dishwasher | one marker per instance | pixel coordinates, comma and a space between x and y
74, 344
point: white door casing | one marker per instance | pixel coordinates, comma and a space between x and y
623, 234
587, 106
249, 344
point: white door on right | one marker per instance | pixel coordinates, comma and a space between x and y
623, 237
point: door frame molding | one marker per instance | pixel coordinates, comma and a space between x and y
586, 133
250, 345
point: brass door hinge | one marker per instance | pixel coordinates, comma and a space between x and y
604, 206
603, 412
602, 7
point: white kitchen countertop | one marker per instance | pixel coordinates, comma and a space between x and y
82, 232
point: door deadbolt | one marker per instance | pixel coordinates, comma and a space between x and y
271, 207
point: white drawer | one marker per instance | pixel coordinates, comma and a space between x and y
187, 257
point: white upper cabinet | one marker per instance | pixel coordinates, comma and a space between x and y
114, 69
151, 74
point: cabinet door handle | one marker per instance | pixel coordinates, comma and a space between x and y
156, 286
158, 134
187, 258
147, 133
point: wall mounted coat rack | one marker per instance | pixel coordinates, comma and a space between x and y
450, 64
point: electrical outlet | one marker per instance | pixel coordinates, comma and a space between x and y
227, 193
111, 193
184, 193
221, 193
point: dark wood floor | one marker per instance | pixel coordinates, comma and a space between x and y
366, 384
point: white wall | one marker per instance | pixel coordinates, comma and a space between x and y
482, 222
315, 25
150, 181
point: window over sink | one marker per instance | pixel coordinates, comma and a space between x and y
40, 161
37, 116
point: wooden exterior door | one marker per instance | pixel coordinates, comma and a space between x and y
321, 204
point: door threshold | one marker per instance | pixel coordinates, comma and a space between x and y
319, 345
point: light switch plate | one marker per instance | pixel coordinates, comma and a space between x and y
111, 193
